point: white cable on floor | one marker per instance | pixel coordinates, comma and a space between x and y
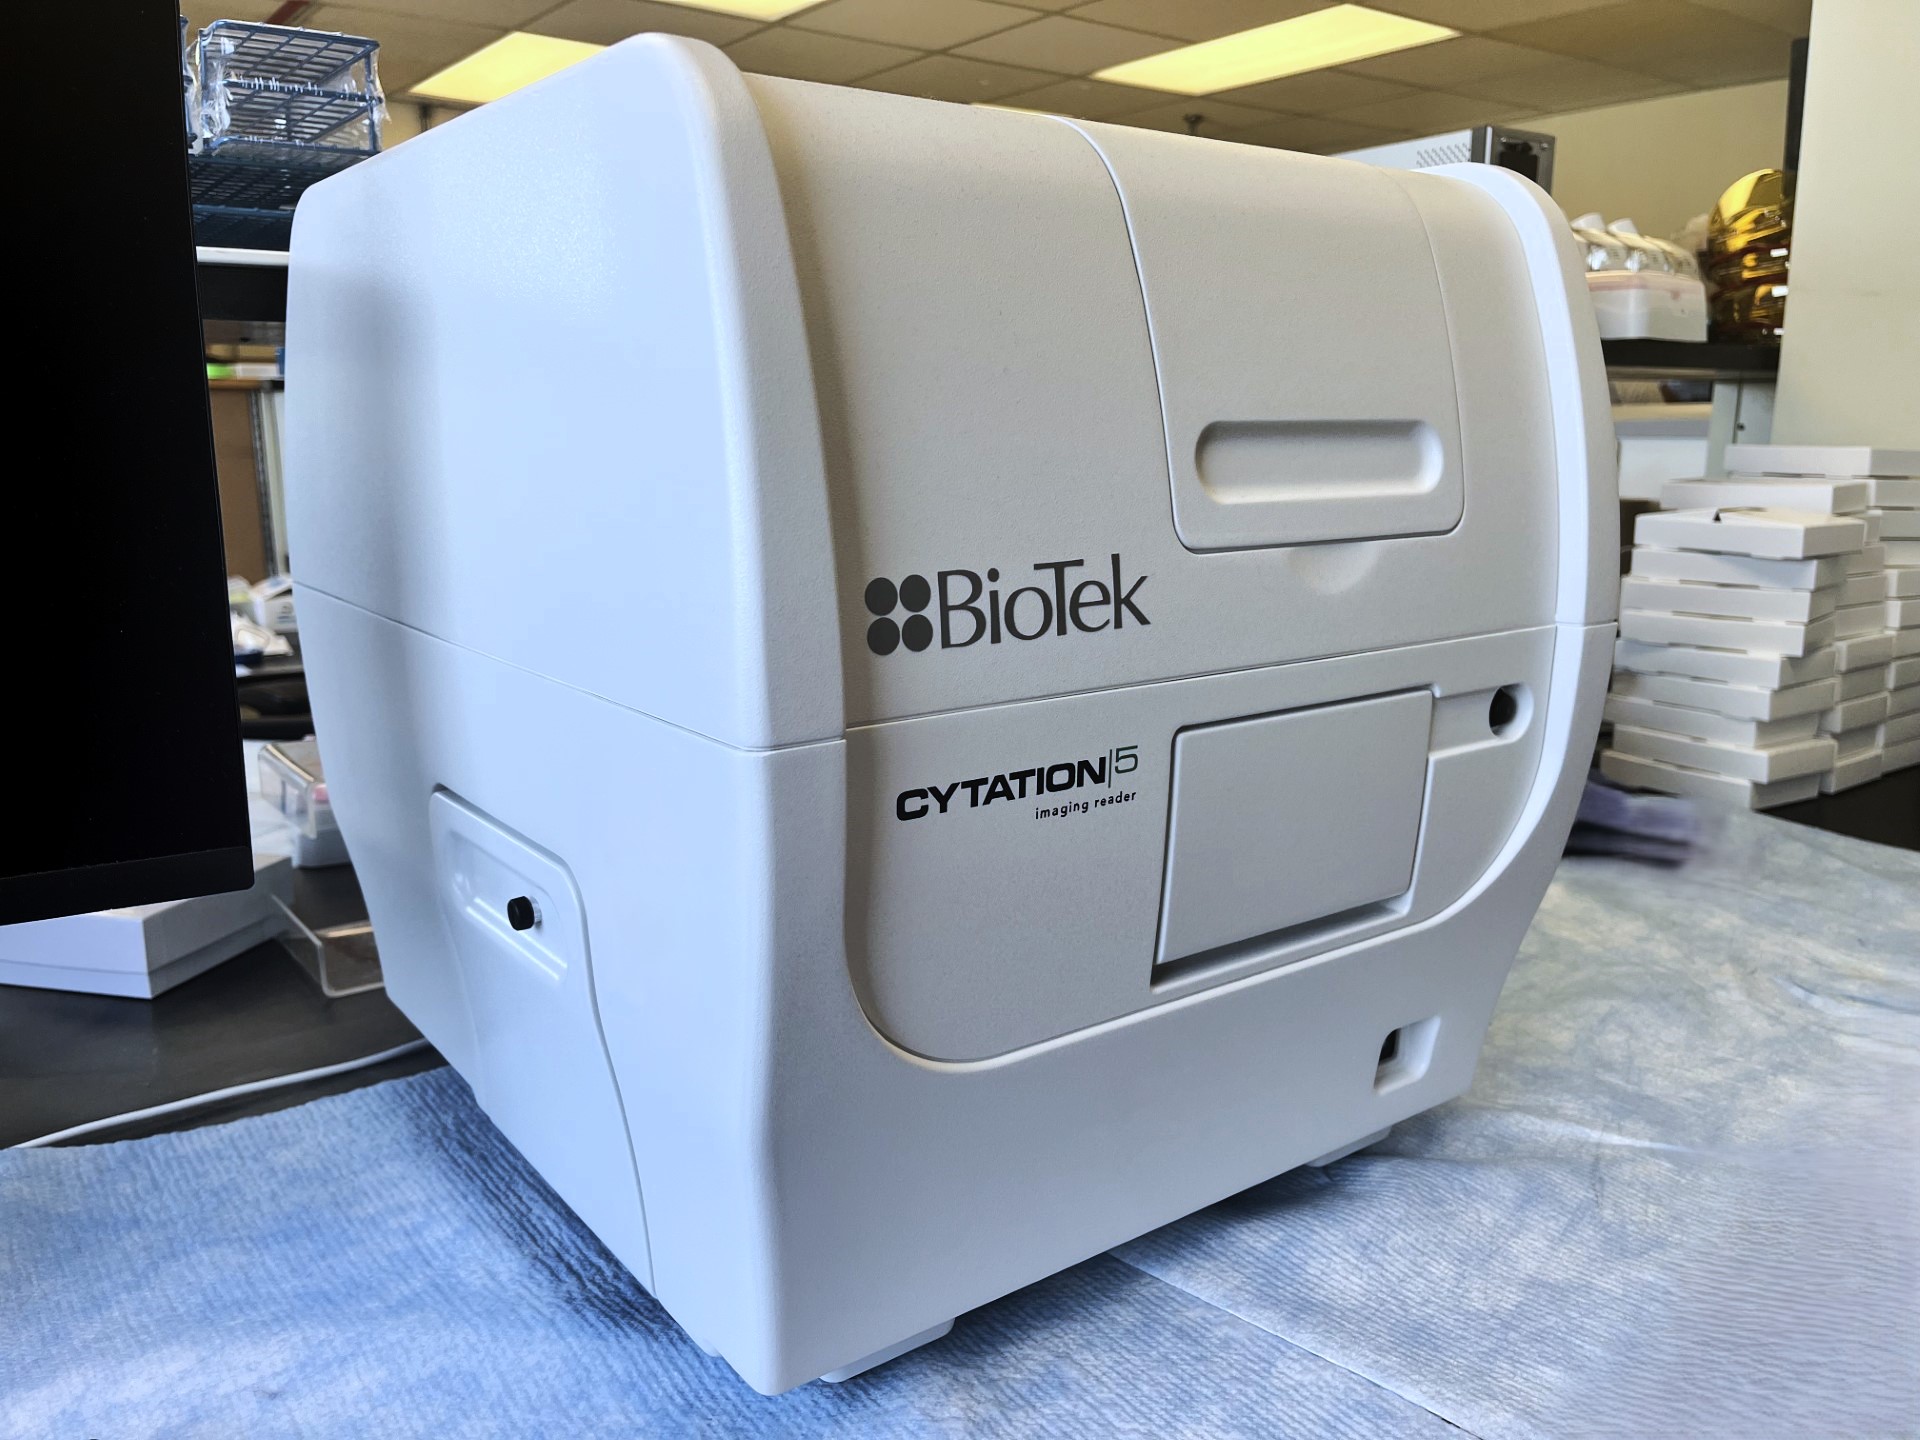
252, 1087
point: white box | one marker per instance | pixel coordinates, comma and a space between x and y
143, 950
1894, 493
1903, 581
1762, 763
1853, 652
1832, 497
1902, 673
1648, 774
1901, 552
1648, 305
1899, 525
1739, 701
1901, 755
1867, 589
1855, 770
1746, 602
1853, 620
1903, 642
1852, 744
1872, 519
1900, 614
1706, 724
1852, 714
1868, 680
1843, 461
1766, 637
1702, 565
1900, 730
1733, 667
1904, 701
1769, 534
1867, 560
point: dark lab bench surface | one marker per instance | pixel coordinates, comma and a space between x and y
66, 1058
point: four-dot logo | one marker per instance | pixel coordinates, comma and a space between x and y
884, 635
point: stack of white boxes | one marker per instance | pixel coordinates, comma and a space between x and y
1727, 661
1876, 722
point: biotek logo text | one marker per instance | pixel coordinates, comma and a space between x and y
1042, 780
971, 609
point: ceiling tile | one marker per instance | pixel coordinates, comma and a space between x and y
411, 49
925, 24
1481, 15
1308, 132
954, 77
1792, 16
499, 14
605, 22
1088, 99
805, 55
1568, 85
1662, 37
1315, 92
1424, 111
202, 13
1443, 66
1073, 47
1194, 19
1216, 117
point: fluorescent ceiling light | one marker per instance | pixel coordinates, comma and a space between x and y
752, 9
503, 67
1313, 41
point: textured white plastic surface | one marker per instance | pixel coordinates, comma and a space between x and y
724, 644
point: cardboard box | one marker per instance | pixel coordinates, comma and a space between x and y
1765, 764
1832, 497
1706, 725
1766, 637
1899, 731
1648, 774
1894, 493
1855, 651
1902, 581
1846, 774
1852, 744
1899, 525
1900, 756
1768, 534
1702, 565
1740, 602
1869, 680
1851, 620
1863, 589
1843, 461
1741, 702
1902, 673
146, 949
1867, 560
1853, 714
1734, 667
1904, 701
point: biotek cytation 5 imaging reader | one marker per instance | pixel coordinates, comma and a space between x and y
917, 691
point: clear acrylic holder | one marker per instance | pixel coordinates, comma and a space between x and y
341, 959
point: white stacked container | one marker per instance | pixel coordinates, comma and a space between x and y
1876, 721
1726, 661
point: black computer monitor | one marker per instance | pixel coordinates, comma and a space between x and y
121, 751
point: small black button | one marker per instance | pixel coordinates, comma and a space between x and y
520, 913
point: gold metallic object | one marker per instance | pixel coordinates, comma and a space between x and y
1748, 238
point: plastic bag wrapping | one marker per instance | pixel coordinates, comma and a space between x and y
285, 85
